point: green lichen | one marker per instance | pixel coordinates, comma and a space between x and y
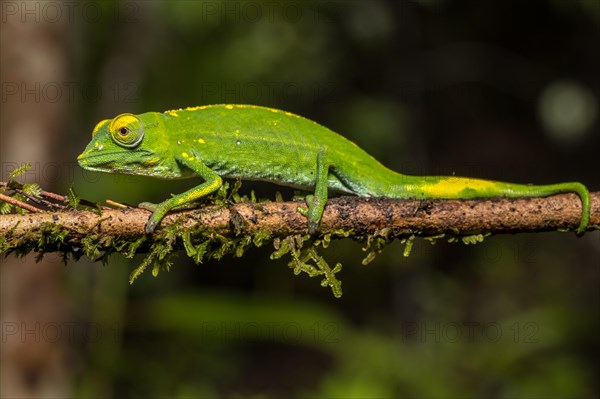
18, 191
408, 244
5, 208
73, 198
433, 239
375, 243
200, 244
307, 260
19, 171
469, 239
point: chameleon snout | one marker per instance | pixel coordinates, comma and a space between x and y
81, 159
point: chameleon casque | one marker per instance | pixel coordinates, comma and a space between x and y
257, 143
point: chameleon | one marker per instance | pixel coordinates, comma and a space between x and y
251, 142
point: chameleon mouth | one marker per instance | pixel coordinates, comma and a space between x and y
85, 156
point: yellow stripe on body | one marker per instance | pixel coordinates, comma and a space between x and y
152, 161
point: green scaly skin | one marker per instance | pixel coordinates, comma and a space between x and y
257, 143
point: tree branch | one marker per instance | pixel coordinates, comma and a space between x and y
360, 215
18, 203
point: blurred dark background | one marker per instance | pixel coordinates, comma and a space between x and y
505, 90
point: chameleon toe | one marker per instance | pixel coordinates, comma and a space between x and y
313, 227
150, 227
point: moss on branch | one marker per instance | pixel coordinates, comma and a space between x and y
213, 231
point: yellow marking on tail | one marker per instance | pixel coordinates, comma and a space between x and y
452, 186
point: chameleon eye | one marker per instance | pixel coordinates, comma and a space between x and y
127, 130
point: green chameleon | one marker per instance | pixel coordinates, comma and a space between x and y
257, 143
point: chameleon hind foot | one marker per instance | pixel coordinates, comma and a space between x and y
314, 213
149, 206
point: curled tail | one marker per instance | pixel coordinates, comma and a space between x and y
464, 188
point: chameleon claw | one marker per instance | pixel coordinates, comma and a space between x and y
313, 227
150, 226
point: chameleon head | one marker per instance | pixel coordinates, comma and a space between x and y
117, 145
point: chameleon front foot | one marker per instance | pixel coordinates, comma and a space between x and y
153, 221
159, 211
157, 214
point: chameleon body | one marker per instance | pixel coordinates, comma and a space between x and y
258, 143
